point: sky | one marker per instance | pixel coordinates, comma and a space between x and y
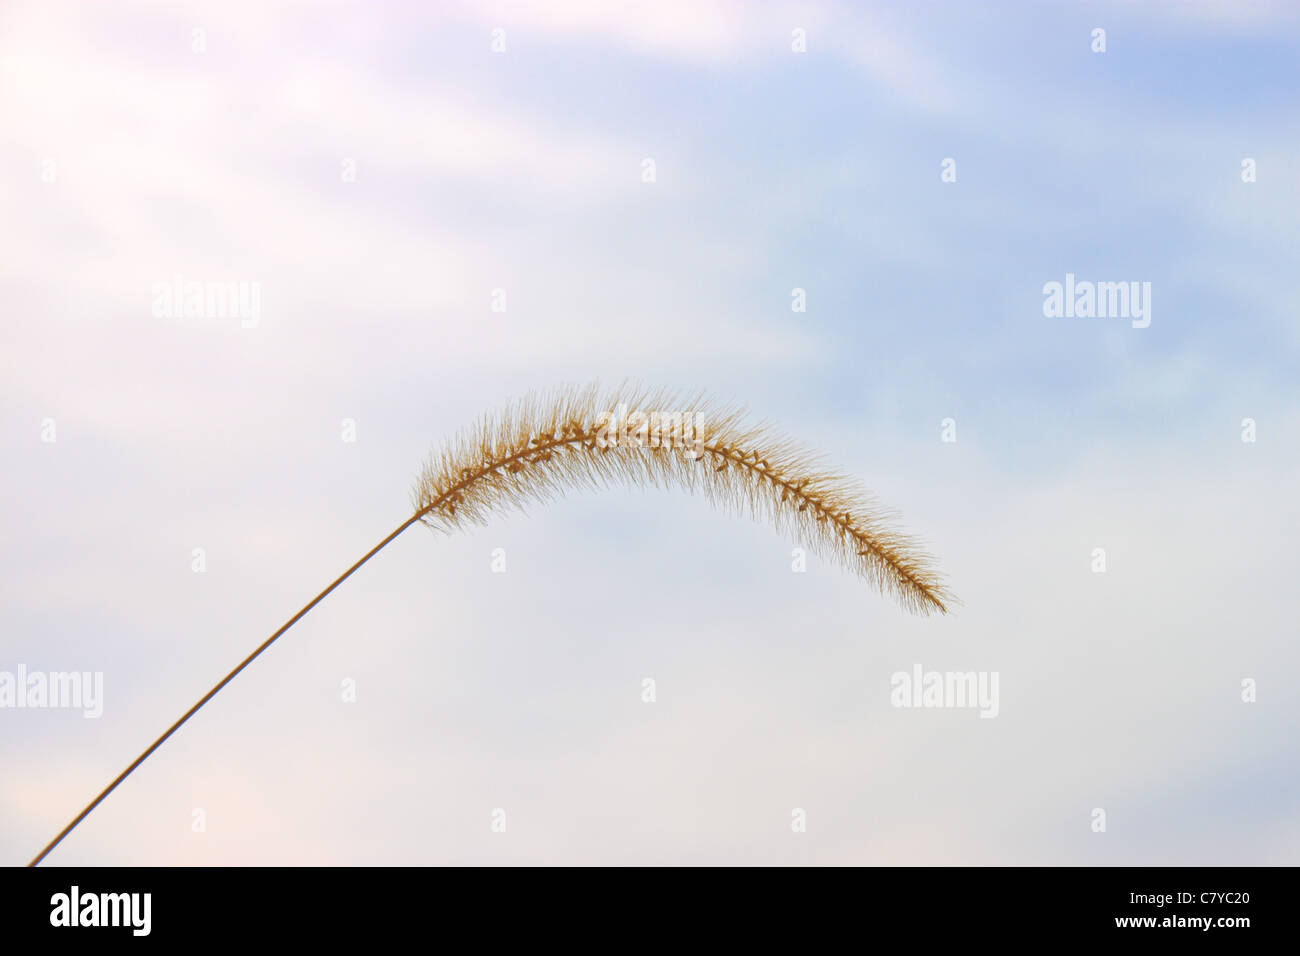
437, 208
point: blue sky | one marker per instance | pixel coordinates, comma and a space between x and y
775, 170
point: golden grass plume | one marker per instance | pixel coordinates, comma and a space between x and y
547, 444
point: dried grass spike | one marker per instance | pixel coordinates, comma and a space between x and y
775, 478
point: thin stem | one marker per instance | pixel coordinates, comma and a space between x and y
222, 683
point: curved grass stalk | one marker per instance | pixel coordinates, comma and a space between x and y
544, 446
